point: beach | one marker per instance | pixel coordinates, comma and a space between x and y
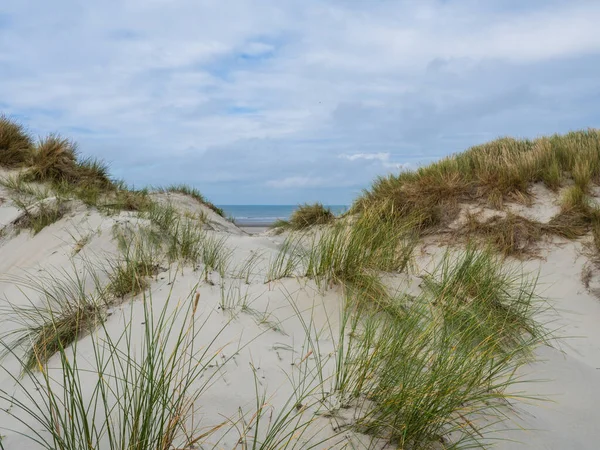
123, 306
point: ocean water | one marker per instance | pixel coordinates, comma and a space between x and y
265, 215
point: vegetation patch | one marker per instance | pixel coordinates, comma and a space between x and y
511, 235
494, 170
41, 216
15, 143
436, 367
305, 216
142, 389
64, 313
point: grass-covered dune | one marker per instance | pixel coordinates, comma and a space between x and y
56, 161
141, 319
494, 172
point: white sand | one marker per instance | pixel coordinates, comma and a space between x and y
270, 336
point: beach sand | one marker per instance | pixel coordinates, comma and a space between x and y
262, 335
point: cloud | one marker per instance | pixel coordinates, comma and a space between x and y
383, 157
296, 182
269, 101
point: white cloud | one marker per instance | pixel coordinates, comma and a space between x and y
296, 182
383, 157
271, 90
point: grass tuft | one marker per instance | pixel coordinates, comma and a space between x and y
306, 216
53, 159
139, 391
511, 235
429, 369
65, 311
39, 216
15, 143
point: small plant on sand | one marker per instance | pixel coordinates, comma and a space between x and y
15, 143
184, 241
215, 255
123, 198
350, 254
247, 269
308, 215
40, 215
134, 389
139, 260
65, 311
287, 260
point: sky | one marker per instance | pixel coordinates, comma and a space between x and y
289, 101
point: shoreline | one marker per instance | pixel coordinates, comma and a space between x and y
253, 228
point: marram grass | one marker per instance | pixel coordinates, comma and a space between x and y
501, 168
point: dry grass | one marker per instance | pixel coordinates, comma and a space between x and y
15, 143
516, 236
55, 159
511, 235
306, 216
492, 171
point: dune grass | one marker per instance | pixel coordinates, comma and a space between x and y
306, 216
501, 168
493, 298
56, 162
140, 255
55, 159
40, 215
15, 143
349, 254
129, 393
439, 367
70, 305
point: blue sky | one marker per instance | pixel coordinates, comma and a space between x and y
286, 101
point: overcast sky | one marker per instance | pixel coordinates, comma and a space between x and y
285, 101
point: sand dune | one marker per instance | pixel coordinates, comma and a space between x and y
266, 337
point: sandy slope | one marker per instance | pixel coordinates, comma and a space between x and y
268, 338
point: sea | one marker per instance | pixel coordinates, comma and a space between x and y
265, 215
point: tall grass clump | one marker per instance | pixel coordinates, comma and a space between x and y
139, 259
287, 260
493, 299
439, 367
351, 254
61, 308
184, 241
131, 390
15, 143
307, 215
505, 167
215, 254
55, 160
